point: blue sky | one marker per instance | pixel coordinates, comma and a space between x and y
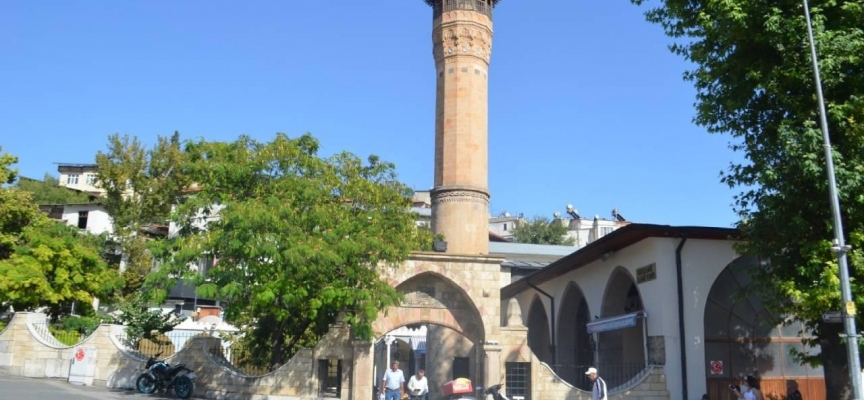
587, 105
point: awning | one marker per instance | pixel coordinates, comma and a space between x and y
418, 344
614, 323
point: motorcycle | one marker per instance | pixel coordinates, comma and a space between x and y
495, 391
159, 375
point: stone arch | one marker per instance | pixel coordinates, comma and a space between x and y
575, 352
539, 338
432, 298
742, 339
621, 352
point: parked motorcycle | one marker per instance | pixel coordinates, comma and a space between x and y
495, 391
159, 375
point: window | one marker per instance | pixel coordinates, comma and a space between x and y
461, 367
204, 264
505, 227
91, 179
82, 219
606, 230
72, 179
517, 379
330, 377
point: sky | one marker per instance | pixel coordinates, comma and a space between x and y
587, 106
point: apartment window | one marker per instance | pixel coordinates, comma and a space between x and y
204, 264
82, 219
606, 230
505, 227
72, 179
91, 179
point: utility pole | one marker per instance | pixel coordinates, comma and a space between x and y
840, 247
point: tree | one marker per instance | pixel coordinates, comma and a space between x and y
54, 265
542, 230
141, 187
754, 81
44, 262
297, 239
49, 191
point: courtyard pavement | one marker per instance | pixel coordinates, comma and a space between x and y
17, 388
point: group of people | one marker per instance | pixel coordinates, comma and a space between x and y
394, 384
418, 386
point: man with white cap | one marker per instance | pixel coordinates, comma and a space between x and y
599, 390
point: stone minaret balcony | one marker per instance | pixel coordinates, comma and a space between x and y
481, 6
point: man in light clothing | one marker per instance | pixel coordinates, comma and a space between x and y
418, 386
393, 382
599, 390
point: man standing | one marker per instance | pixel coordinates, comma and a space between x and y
417, 385
393, 382
599, 390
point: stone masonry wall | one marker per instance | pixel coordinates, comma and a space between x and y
25, 352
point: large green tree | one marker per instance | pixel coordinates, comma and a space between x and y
49, 191
141, 186
542, 230
45, 263
754, 81
298, 238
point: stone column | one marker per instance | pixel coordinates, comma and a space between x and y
492, 364
361, 371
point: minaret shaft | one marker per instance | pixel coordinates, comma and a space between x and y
462, 42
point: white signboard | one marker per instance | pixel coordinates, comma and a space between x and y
83, 367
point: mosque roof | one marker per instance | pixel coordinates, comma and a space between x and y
617, 240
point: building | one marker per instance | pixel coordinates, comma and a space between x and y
90, 217
80, 177
653, 296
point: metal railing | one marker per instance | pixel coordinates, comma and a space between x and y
231, 355
481, 6
58, 336
614, 374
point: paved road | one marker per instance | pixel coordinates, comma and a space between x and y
15, 388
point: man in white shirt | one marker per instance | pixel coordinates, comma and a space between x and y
418, 386
598, 392
393, 382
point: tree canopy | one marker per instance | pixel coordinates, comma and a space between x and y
754, 81
44, 262
542, 230
295, 238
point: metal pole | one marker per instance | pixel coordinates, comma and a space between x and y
840, 246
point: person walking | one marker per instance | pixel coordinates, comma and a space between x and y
393, 382
418, 386
598, 392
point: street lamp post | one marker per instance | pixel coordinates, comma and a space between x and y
840, 247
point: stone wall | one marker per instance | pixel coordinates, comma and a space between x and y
24, 351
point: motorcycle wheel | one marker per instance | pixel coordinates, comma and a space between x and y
183, 387
146, 384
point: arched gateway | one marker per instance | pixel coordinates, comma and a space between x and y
456, 292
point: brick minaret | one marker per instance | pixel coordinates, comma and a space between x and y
462, 44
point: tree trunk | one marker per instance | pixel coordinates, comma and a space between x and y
277, 341
834, 361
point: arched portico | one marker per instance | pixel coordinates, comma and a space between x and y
539, 338
575, 345
621, 351
741, 338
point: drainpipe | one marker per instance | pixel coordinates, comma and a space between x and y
681, 316
552, 320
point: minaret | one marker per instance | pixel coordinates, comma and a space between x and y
462, 45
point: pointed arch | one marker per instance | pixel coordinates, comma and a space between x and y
539, 337
622, 349
741, 336
432, 298
575, 352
